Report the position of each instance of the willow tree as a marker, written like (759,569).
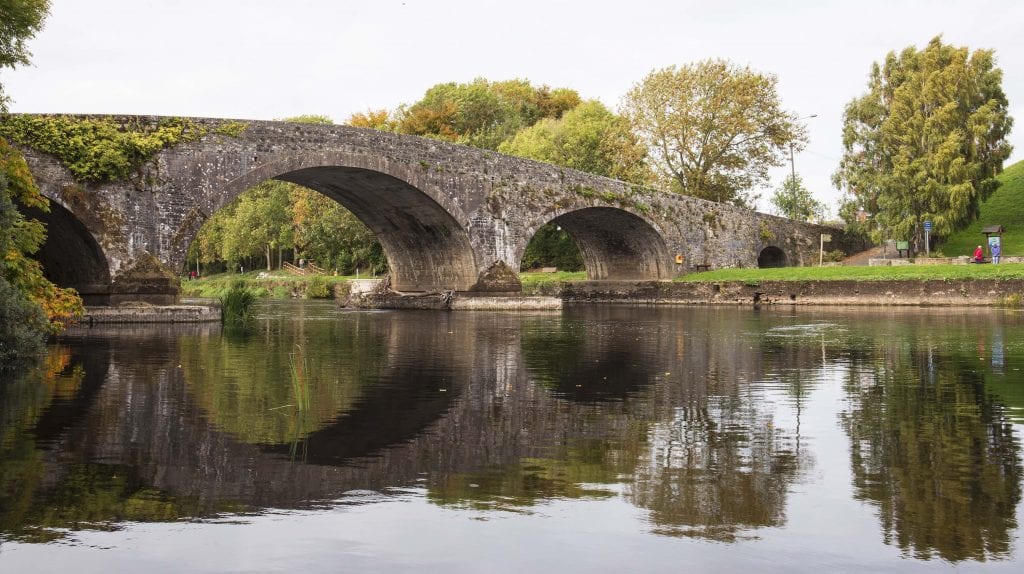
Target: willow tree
(714,129)
(926,141)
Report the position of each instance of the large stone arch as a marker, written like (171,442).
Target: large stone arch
(615,244)
(71,256)
(422,231)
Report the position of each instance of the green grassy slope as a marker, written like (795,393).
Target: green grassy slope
(1006,208)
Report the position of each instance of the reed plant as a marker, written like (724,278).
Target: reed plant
(237,305)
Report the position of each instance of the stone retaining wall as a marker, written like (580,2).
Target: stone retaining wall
(988,292)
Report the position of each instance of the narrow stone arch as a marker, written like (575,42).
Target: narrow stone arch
(615,244)
(427,248)
(71,256)
(772,256)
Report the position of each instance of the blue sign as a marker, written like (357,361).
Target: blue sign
(927,225)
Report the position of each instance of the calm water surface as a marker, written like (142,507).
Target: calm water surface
(598,439)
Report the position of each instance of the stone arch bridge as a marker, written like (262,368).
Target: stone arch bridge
(450,217)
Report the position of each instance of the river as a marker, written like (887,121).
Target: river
(595,439)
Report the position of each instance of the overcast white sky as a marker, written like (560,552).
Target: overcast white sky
(268,59)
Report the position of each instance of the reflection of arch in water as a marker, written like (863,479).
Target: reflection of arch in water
(405,397)
(771,257)
(597,355)
(71,257)
(614,243)
(385,391)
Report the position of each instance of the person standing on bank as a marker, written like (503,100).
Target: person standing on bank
(996,252)
(979,255)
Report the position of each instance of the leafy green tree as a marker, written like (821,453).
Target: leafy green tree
(589,138)
(331,235)
(713,128)
(926,141)
(20,20)
(482,113)
(261,223)
(795,201)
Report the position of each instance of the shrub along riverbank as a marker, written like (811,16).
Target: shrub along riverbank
(263,284)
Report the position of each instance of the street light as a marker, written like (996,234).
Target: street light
(792,164)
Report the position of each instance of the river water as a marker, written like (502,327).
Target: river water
(596,439)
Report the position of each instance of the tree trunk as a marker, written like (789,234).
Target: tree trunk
(270,265)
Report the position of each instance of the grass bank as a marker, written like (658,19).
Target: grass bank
(263,284)
(1005,207)
(530,279)
(898,273)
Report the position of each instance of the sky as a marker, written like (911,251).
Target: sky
(263,59)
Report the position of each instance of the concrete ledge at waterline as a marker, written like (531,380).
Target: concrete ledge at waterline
(151,314)
(480,303)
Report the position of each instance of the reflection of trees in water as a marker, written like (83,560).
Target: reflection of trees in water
(36,503)
(717,468)
(253,394)
(934,454)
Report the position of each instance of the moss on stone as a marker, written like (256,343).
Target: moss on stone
(98,150)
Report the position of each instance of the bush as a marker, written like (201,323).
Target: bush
(236,304)
(281,292)
(23,325)
(317,288)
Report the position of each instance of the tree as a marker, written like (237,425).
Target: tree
(331,235)
(261,223)
(589,138)
(20,238)
(380,119)
(926,141)
(482,113)
(20,20)
(713,128)
(795,201)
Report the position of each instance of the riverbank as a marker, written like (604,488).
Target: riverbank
(955,292)
(917,285)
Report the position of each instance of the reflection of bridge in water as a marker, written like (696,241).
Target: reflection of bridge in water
(529,407)
(468,394)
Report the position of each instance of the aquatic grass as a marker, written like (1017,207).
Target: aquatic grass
(1011,301)
(301,394)
(300,384)
(236,305)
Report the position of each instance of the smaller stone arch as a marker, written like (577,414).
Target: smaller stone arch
(615,244)
(772,256)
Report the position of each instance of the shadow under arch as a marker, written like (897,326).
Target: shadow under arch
(771,257)
(615,244)
(426,246)
(71,257)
